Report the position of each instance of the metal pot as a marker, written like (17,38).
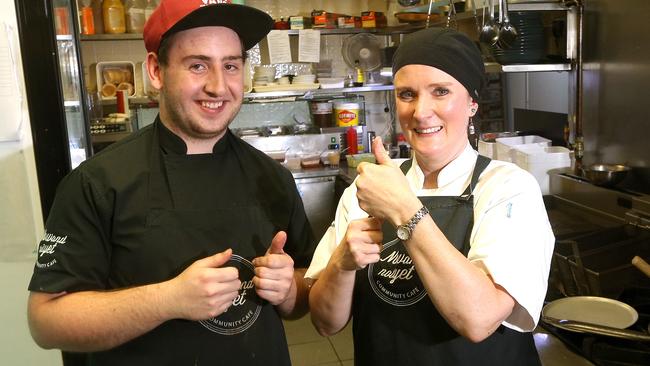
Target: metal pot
(605,174)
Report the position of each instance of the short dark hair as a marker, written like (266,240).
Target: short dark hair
(165,44)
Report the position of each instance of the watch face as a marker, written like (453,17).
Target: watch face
(403,233)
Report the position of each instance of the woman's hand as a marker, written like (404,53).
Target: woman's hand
(382,188)
(360,246)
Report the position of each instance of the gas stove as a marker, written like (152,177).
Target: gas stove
(598,230)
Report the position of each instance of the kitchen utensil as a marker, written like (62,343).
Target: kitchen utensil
(642,265)
(583,327)
(408,2)
(429,13)
(451,15)
(606,174)
(490,30)
(593,310)
(507,33)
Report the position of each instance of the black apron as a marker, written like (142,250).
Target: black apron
(395,322)
(183,208)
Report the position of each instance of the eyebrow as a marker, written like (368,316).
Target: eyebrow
(208,58)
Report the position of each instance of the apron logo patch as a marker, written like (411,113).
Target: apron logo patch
(246,307)
(394,279)
(47,247)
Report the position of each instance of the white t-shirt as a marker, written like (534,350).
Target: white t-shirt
(511,239)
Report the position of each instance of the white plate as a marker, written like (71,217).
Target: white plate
(594,310)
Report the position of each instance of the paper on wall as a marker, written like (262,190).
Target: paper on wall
(308,45)
(279,47)
(11,101)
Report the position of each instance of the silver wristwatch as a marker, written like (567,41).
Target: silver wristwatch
(404,231)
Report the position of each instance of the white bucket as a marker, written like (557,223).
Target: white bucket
(504,145)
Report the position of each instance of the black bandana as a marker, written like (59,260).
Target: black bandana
(446,50)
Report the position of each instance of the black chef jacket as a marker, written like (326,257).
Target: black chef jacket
(142,210)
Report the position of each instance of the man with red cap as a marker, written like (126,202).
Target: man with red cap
(177,245)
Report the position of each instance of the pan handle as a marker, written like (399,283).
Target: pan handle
(578,326)
(642,265)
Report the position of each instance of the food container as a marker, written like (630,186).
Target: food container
(331,83)
(113,76)
(356,159)
(310,161)
(539,160)
(504,145)
(346,113)
(321,112)
(606,174)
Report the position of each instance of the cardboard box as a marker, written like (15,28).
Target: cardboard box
(323,19)
(373,19)
(349,22)
(299,22)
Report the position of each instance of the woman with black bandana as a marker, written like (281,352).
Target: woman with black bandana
(441,259)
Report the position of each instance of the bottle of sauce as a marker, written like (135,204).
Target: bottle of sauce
(87,19)
(98,16)
(359,77)
(114,20)
(351,140)
(134,16)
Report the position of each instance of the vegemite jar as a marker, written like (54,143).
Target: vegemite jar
(346,113)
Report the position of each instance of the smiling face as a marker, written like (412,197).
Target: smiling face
(201,85)
(433,110)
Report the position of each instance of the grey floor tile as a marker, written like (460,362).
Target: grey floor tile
(342,343)
(313,353)
(301,331)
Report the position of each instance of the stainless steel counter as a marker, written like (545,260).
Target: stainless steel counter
(553,352)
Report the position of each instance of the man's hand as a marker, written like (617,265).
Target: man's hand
(274,272)
(382,188)
(360,246)
(205,289)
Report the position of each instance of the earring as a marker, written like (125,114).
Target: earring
(470,128)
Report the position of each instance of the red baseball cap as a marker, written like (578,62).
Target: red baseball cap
(173,16)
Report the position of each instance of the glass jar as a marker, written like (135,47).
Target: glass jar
(114,20)
(134,15)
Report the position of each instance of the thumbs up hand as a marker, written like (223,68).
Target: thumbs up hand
(382,188)
(203,290)
(274,272)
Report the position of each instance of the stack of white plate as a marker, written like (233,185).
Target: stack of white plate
(304,79)
(264,74)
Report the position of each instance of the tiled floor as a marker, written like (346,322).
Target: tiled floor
(308,348)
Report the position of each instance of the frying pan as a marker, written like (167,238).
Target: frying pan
(605,174)
(595,315)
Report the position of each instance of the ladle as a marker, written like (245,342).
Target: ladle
(490,30)
(507,33)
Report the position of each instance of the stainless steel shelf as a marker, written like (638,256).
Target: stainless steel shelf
(111,37)
(132,101)
(535,67)
(317,92)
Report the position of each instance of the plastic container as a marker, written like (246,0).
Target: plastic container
(321,112)
(134,15)
(351,139)
(119,74)
(346,113)
(114,17)
(504,145)
(539,160)
(356,159)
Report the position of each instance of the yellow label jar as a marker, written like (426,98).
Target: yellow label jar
(346,114)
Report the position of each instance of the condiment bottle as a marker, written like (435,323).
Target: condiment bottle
(351,140)
(134,14)
(359,78)
(87,19)
(114,21)
(98,16)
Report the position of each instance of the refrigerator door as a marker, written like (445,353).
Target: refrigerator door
(71,80)
(54,84)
